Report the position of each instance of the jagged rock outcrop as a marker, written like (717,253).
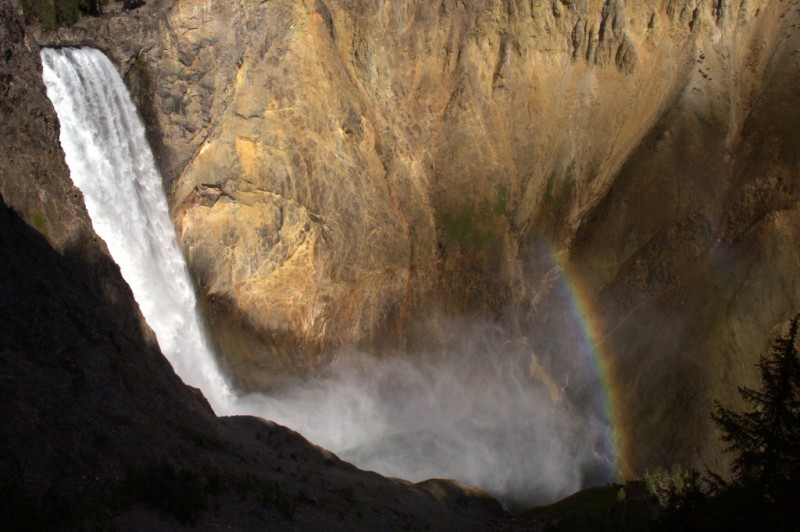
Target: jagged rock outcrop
(348,172)
(98,431)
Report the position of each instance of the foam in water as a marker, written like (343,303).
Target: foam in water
(475,414)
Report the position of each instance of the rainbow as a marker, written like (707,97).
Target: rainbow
(583,310)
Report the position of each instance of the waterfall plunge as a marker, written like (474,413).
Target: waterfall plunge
(111,162)
(472,415)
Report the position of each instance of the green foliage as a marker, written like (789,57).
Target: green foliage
(559,193)
(43,11)
(476,227)
(666,485)
(53,14)
(140,67)
(766,439)
(39,222)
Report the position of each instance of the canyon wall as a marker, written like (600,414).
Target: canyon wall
(98,432)
(353,173)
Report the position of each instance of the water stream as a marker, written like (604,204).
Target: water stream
(111,162)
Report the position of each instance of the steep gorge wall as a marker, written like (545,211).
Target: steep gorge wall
(353,172)
(98,432)
(698,285)
(387,160)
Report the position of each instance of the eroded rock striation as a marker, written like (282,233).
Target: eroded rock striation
(347,173)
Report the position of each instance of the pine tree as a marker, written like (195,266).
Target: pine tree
(766,438)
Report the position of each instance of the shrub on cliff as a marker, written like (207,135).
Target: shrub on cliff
(668,486)
(52,14)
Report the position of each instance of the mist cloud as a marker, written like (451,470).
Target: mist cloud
(484,412)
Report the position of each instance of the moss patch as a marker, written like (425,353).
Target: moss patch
(39,222)
(141,70)
(476,226)
(560,192)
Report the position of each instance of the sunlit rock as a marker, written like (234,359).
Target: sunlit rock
(350,174)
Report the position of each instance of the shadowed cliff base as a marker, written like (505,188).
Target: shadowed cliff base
(99,431)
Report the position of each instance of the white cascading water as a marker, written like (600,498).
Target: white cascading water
(111,162)
(475,414)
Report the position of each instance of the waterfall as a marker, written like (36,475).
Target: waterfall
(474,414)
(110,161)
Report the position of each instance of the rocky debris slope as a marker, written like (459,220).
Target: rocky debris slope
(349,172)
(97,429)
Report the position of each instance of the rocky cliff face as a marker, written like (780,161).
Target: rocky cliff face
(692,250)
(98,431)
(350,172)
